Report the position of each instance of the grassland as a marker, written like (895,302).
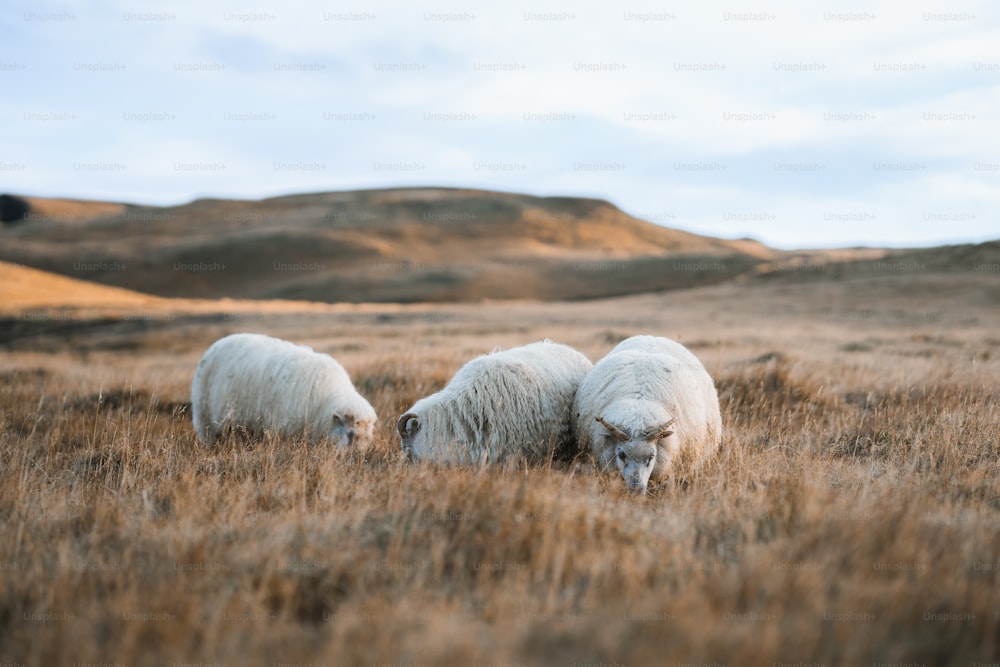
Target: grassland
(853,517)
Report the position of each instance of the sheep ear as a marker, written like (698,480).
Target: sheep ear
(408,425)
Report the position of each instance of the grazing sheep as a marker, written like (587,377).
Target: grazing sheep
(267,385)
(650,408)
(507,406)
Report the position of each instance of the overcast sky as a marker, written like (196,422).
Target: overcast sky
(800,124)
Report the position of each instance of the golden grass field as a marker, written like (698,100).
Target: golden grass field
(852,518)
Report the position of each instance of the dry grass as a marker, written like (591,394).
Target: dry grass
(853,517)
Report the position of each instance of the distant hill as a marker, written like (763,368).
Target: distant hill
(23,288)
(866,263)
(15,210)
(414,244)
(405,245)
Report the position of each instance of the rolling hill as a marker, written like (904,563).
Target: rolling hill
(23,288)
(403,245)
(415,245)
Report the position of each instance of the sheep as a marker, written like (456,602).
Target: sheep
(505,407)
(262,384)
(650,408)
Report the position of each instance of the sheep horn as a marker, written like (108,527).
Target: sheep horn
(660,431)
(402,426)
(614,430)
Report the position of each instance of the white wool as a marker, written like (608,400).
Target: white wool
(505,406)
(659,345)
(641,384)
(267,385)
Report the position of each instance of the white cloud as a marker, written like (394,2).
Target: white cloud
(642,88)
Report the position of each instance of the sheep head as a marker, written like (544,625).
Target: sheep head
(636,456)
(349,431)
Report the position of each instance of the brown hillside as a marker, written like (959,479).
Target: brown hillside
(23,288)
(412,244)
(18,210)
(908,265)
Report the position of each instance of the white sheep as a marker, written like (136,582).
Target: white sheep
(266,385)
(508,406)
(650,408)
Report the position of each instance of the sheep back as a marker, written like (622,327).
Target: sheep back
(506,406)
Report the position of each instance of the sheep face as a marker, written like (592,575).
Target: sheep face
(348,431)
(637,456)
(635,461)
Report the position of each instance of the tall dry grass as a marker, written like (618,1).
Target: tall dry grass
(850,519)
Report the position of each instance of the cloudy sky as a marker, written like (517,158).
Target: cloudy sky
(800,124)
